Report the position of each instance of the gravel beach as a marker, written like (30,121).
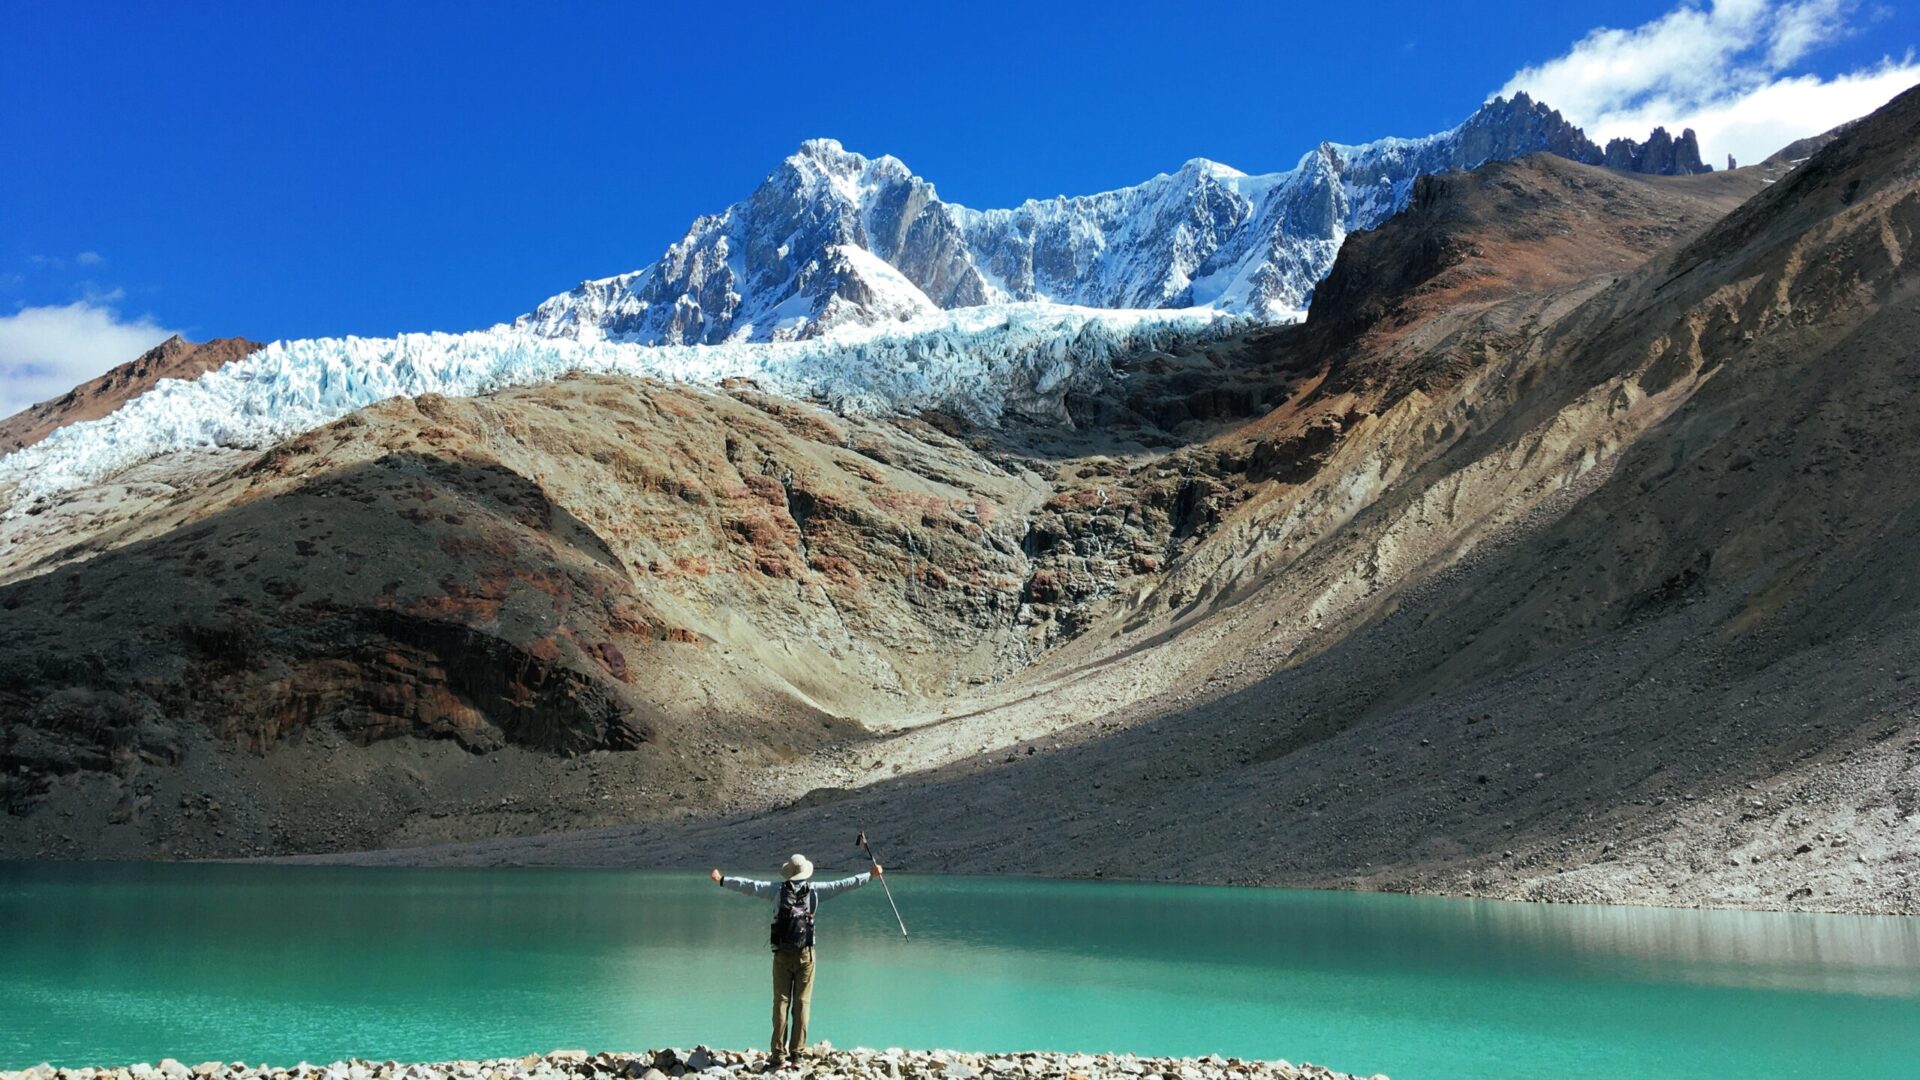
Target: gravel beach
(823,1062)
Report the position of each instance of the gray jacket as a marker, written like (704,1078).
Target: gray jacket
(821,889)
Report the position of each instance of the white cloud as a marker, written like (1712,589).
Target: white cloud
(88,258)
(46,351)
(1726,70)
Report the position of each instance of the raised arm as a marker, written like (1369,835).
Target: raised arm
(746,886)
(824,889)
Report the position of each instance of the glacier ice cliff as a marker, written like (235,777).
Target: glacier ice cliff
(982,363)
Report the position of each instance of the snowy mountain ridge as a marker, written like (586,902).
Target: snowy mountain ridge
(832,239)
(846,279)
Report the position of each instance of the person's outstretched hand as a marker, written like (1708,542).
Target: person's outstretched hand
(715,875)
(877,871)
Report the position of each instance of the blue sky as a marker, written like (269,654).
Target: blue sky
(371,169)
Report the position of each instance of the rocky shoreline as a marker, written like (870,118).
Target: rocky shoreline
(823,1062)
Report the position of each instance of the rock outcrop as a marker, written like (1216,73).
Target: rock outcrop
(1515,127)
(1660,155)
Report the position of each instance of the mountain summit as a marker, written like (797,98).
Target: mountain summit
(834,239)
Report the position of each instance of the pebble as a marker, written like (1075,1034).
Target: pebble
(822,1063)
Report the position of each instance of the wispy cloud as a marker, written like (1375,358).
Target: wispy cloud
(62,262)
(1729,70)
(46,351)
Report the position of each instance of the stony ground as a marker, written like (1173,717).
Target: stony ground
(825,1062)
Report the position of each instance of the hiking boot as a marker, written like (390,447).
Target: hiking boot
(775,1063)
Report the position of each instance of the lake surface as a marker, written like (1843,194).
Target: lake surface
(113,963)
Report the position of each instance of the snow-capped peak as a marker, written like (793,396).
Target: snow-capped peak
(1204,235)
(1207,167)
(847,278)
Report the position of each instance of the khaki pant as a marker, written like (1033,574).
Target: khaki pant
(792,992)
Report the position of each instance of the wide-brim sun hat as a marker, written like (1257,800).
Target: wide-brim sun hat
(797,869)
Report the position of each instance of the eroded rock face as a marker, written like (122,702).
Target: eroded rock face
(308,606)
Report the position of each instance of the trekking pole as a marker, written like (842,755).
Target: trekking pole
(862,841)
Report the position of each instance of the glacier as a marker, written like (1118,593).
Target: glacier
(982,363)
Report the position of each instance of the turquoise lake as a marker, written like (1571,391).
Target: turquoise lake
(114,963)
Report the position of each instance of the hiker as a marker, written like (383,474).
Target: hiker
(796,896)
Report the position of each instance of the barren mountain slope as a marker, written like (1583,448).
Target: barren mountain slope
(174,358)
(644,574)
(1174,642)
(1528,225)
(1622,608)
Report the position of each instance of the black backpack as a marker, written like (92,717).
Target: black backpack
(793,917)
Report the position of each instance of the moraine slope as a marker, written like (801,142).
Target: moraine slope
(1598,592)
